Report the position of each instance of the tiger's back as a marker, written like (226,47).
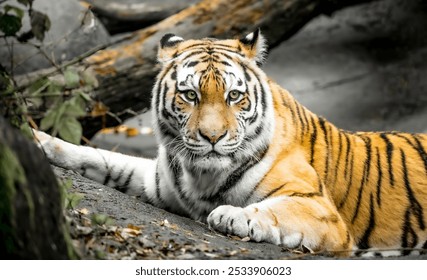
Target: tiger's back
(377,180)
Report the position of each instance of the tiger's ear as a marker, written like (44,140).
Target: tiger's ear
(254,46)
(167,47)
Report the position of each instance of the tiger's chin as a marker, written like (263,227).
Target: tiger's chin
(212,162)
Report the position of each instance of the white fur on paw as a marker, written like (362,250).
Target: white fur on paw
(41,138)
(229,220)
(52,147)
(243,222)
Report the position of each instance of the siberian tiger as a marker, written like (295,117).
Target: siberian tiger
(239,152)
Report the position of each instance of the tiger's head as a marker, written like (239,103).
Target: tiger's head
(212,106)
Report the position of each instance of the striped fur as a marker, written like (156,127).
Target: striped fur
(240,153)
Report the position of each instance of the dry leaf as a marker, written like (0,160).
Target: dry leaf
(132,132)
(99,109)
(83,211)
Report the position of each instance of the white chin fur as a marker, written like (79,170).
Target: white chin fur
(212,163)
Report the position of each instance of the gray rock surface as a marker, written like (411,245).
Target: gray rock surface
(363,68)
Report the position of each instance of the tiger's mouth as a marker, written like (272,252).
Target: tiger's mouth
(211,161)
(213,155)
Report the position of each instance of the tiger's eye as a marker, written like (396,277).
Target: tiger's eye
(234,95)
(190,95)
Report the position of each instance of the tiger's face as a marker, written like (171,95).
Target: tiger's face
(209,99)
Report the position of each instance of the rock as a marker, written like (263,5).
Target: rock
(32,224)
(66,39)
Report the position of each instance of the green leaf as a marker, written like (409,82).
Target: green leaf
(53,117)
(73,199)
(48,121)
(10,24)
(70,130)
(101,219)
(86,97)
(25,2)
(6,84)
(26,130)
(72,79)
(75,107)
(89,78)
(18,12)
(39,86)
(40,24)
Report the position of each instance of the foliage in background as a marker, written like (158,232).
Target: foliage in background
(63,100)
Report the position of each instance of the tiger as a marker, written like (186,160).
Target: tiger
(238,152)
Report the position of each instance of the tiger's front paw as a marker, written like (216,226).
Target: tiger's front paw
(57,151)
(243,222)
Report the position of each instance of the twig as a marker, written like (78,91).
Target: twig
(75,60)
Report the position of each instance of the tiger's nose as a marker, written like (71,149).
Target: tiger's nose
(212,137)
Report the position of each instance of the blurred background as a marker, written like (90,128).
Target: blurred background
(362,67)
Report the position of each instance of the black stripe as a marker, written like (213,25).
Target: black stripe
(193,53)
(325,133)
(418,147)
(158,94)
(144,196)
(421,151)
(245,71)
(313,140)
(337,165)
(347,171)
(364,241)
(415,206)
(158,194)
(119,176)
(347,156)
(192,63)
(123,188)
(389,150)
(166,131)
(380,176)
(365,177)
(107,177)
(234,178)
(177,172)
(263,91)
(301,121)
(273,191)
(409,237)
(253,118)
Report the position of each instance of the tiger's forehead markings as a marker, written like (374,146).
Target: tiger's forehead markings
(208,66)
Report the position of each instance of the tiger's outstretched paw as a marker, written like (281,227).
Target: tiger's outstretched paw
(244,222)
(57,151)
(41,137)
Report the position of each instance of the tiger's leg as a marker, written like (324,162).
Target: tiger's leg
(131,175)
(297,213)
